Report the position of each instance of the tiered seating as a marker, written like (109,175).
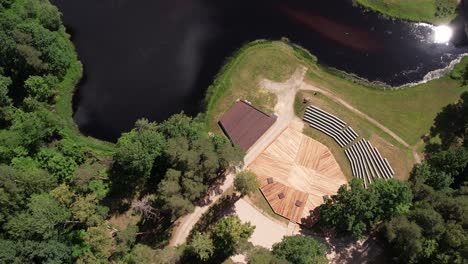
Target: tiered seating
(330,125)
(367,163)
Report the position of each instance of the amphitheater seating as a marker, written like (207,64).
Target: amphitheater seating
(330,125)
(367,163)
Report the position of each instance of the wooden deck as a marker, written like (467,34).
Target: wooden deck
(285,206)
(302,169)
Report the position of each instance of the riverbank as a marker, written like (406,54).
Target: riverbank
(408,112)
(64,109)
(430,11)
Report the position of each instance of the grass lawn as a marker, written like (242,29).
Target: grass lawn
(408,112)
(239,78)
(414,10)
(400,157)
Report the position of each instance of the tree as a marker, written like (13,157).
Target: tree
(228,233)
(392,198)
(11,192)
(72,150)
(33,179)
(177,206)
(126,239)
(40,220)
(41,88)
(57,164)
(28,130)
(201,246)
(84,209)
(98,242)
(451,123)
(48,251)
(350,211)
(453,164)
(405,238)
(431,222)
(5,83)
(246,183)
(138,149)
(356,210)
(99,188)
(63,194)
(300,249)
(8,251)
(180,125)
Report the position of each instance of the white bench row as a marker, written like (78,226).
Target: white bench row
(328,132)
(311,107)
(330,125)
(367,163)
(332,120)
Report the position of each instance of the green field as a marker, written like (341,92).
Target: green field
(239,78)
(432,11)
(409,112)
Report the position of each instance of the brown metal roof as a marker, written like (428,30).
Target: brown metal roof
(244,124)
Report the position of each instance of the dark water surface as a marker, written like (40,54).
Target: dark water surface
(154,58)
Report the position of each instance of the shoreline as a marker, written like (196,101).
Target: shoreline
(393,13)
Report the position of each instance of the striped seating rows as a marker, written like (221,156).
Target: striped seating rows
(367,163)
(330,125)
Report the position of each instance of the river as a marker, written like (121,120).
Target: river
(152,58)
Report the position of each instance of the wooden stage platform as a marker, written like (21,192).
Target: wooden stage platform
(302,171)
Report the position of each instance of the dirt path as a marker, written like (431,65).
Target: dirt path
(309,87)
(286,93)
(268,232)
(184,225)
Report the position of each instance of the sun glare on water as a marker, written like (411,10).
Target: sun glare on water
(442,34)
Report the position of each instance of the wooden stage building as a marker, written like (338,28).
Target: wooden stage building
(295,172)
(244,124)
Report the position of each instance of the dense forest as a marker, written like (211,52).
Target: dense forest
(56,194)
(61,200)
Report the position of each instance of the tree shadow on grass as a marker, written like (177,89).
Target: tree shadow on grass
(449,125)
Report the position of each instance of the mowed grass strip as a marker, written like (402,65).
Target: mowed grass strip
(409,112)
(240,77)
(399,156)
(414,10)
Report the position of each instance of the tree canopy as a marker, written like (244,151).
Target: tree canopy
(356,210)
(301,250)
(246,182)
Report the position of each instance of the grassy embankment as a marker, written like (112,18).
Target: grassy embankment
(432,11)
(239,78)
(63,108)
(408,112)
